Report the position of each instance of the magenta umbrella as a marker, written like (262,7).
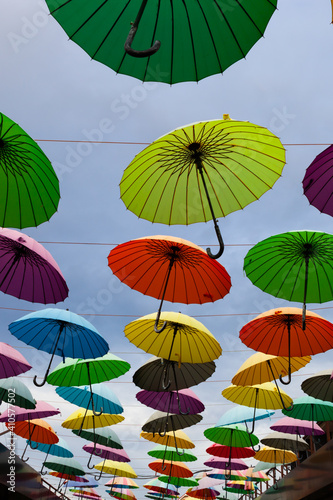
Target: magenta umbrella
(183,402)
(42,410)
(12,362)
(233,464)
(106,453)
(295,426)
(318,182)
(28,271)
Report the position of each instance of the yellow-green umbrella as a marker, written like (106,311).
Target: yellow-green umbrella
(116,468)
(183,339)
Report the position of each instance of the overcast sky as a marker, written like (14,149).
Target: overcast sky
(55,92)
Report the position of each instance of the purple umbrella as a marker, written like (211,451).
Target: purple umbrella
(225,463)
(28,271)
(318,182)
(183,401)
(12,362)
(295,426)
(106,453)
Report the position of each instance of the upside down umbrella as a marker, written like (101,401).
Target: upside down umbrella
(28,270)
(201,172)
(12,362)
(169,268)
(319,385)
(60,332)
(280,332)
(158,374)
(184,339)
(296,266)
(174,41)
(29,185)
(15,392)
(317,181)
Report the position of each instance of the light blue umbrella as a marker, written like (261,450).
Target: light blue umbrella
(77,484)
(100,397)
(61,332)
(242,414)
(59,449)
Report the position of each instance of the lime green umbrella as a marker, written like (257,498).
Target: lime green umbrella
(29,187)
(170,453)
(186,40)
(296,266)
(231,435)
(202,171)
(312,409)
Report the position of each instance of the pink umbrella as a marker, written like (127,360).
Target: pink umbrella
(183,401)
(28,271)
(42,410)
(12,362)
(295,426)
(105,452)
(220,463)
(221,450)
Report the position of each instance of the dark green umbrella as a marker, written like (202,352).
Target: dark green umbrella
(175,41)
(29,187)
(65,466)
(170,453)
(296,266)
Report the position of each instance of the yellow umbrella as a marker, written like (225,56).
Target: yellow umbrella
(85,419)
(116,468)
(177,439)
(260,368)
(266,396)
(184,339)
(275,456)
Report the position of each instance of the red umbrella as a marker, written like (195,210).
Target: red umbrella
(34,430)
(222,451)
(168,468)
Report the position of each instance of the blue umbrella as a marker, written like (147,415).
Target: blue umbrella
(59,449)
(61,332)
(77,484)
(242,414)
(100,396)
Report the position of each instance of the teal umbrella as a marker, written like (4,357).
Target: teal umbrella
(59,449)
(309,408)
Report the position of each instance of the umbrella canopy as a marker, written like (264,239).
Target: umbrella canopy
(242,414)
(125,494)
(176,438)
(317,181)
(60,332)
(275,456)
(281,332)
(158,374)
(116,468)
(185,42)
(184,339)
(201,172)
(170,453)
(68,477)
(81,485)
(86,495)
(29,185)
(226,474)
(284,441)
(100,396)
(86,419)
(156,486)
(204,493)
(169,268)
(106,452)
(104,436)
(183,401)
(59,449)
(260,368)
(296,266)
(319,385)
(28,270)
(34,430)
(11,361)
(122,483)
(68,466)
(179,481)
(308,408)
(227,463)
(15,392)
(220,450)
(256,476)
(292,425)
(41,410)
(231,435)
(161,422)
(174,469)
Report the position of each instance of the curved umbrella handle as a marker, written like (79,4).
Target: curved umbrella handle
(88,464)
(132,33)
(97,478)
(179,407)
(53,353)
(164,383)
(220,240)
(159,330)
(22,457)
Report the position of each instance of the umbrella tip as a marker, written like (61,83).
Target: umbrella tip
(226,116)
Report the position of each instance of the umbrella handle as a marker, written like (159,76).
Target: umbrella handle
(159,330)
(88,464)
(49,367)
(220,240)
(164,383)
(97,478)
(179,407)
(132,33)
(22,457)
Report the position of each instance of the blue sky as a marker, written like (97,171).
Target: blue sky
(55,92)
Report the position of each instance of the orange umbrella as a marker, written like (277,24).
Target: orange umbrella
(33,430)
(280,332)
(169,268)
(169,468)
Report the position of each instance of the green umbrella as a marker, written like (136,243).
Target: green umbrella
(16,393)
(202,171)
(296,266)
(231,435)
(170,453)
(65,466)
(309,408)
(103,435)
(186,40)
(29,186)
(179,481)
